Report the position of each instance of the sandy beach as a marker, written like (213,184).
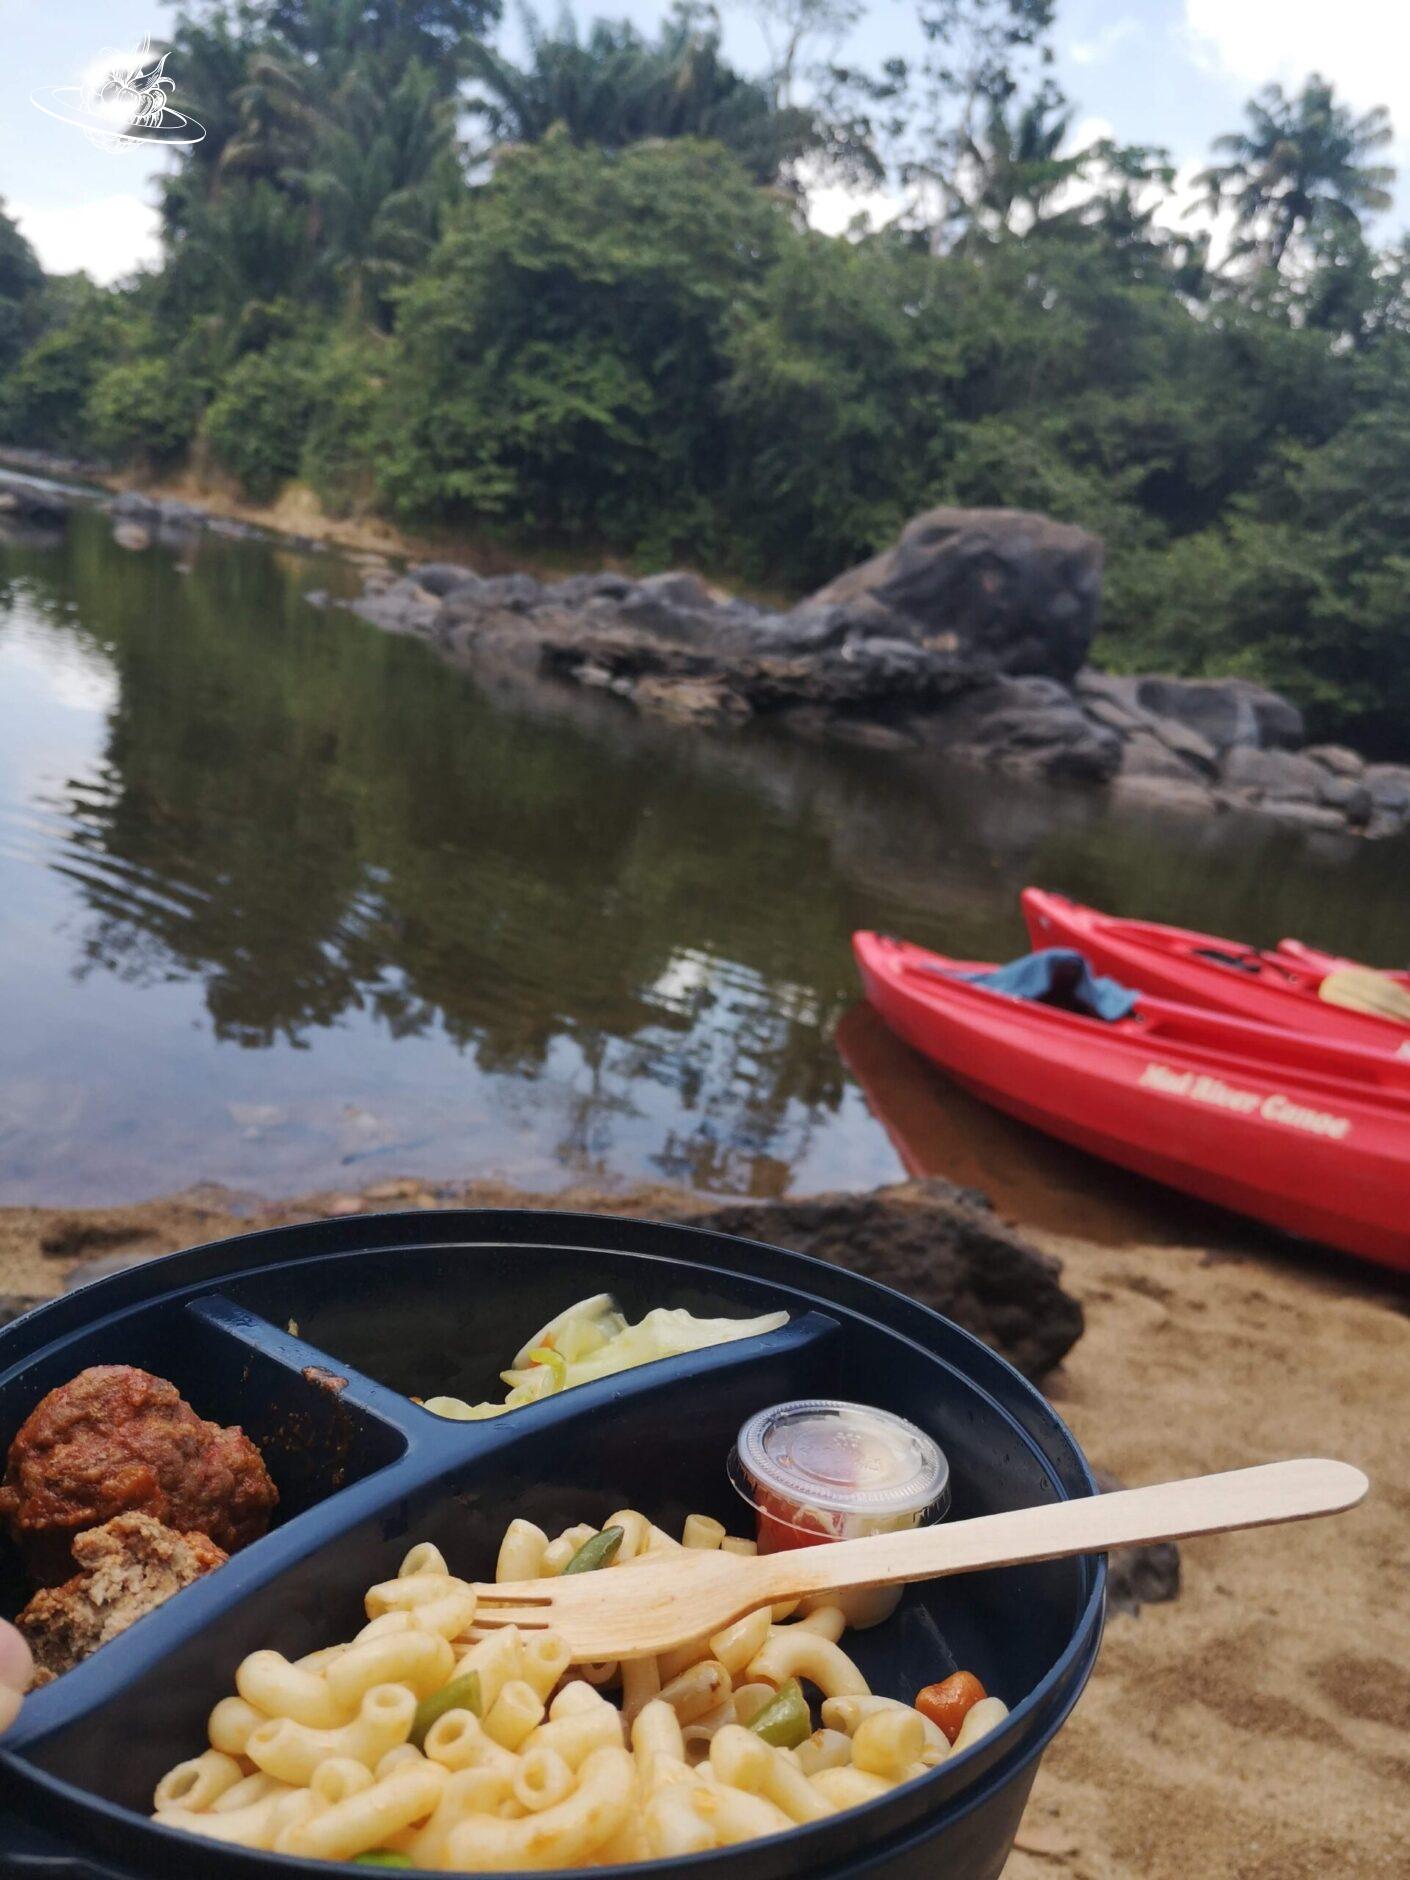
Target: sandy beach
(1257,1726)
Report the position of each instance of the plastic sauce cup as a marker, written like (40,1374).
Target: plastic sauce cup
(822,1470)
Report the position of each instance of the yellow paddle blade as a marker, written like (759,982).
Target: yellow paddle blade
(1361,989)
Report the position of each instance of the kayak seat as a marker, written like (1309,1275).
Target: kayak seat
(1061,977)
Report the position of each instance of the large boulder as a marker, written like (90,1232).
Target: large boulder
(1031,726)
(1000,587)
(938,1243)
(1225,712)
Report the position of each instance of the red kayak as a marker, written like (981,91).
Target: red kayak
(1315,960)
(1277,988)
(1305,1134)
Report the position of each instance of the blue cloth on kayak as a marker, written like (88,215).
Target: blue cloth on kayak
(1059,976)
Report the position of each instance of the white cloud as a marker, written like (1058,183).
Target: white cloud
(833,209)
(1362,46)
(109,236)
(1099,48)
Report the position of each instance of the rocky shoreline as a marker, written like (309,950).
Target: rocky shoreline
(969,637)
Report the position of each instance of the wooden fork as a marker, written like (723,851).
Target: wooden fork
(663,1599)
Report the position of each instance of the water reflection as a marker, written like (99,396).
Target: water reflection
(284,901)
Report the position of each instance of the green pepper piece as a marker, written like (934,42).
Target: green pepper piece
(382,1860)
(556,1362)
(459,1694)
(785,1721)
(600,1551)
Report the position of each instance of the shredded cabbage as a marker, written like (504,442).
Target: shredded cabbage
(593,1339)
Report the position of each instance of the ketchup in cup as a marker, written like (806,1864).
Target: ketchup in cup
(821,1470)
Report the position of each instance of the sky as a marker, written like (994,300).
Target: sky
(1169,72)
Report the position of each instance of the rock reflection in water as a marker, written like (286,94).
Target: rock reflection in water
(284,901)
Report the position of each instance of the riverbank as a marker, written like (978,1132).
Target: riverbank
(970,637)
(1255,1726)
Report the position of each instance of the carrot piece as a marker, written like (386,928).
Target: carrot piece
(947,1703)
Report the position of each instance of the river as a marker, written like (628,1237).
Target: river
(286,902)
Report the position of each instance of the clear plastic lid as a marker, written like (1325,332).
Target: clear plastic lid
(843,1458)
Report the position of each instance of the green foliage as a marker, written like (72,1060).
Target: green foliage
(1300,166)
(1304,584)
(605,322)
(44,399)
(612,87)
(346,407)
(840,401)
(21,285)
(559,361)
(257,421)
(139,409)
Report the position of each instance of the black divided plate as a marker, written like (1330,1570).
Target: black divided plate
(395,1305)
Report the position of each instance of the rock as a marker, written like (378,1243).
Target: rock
(1139,1576)
(1306,815)
(133,506)
(1145,755)
(870,735)
(937,1243)
(1107,711)
(401,607)
(34,504)
(1280,774)
(180,519)
(1389,785)
(691,701)
(579,589)
(518,593)
(1185,742)
(1336,758)
(1003,586)
(1350,796)
(1168,792)
(72,1234)
(15,1305)
(1031,725)
(1226,712)
(898,663)
(1118,687)
(442,577)
(677,607)
(811,628)
(678,588)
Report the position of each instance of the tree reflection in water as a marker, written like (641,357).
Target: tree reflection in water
(334,834)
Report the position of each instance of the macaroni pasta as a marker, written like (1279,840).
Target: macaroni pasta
(466,1756)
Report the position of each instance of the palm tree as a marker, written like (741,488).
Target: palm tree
(1300,165)
(1016,163)
(613,87)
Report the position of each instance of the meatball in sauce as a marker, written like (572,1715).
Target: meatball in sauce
(116,1440)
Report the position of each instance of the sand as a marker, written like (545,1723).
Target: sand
(1259,1726)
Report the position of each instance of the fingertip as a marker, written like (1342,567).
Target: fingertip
(16,1663)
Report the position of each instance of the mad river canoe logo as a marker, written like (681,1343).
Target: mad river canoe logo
(122,102)
(1274,1108)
